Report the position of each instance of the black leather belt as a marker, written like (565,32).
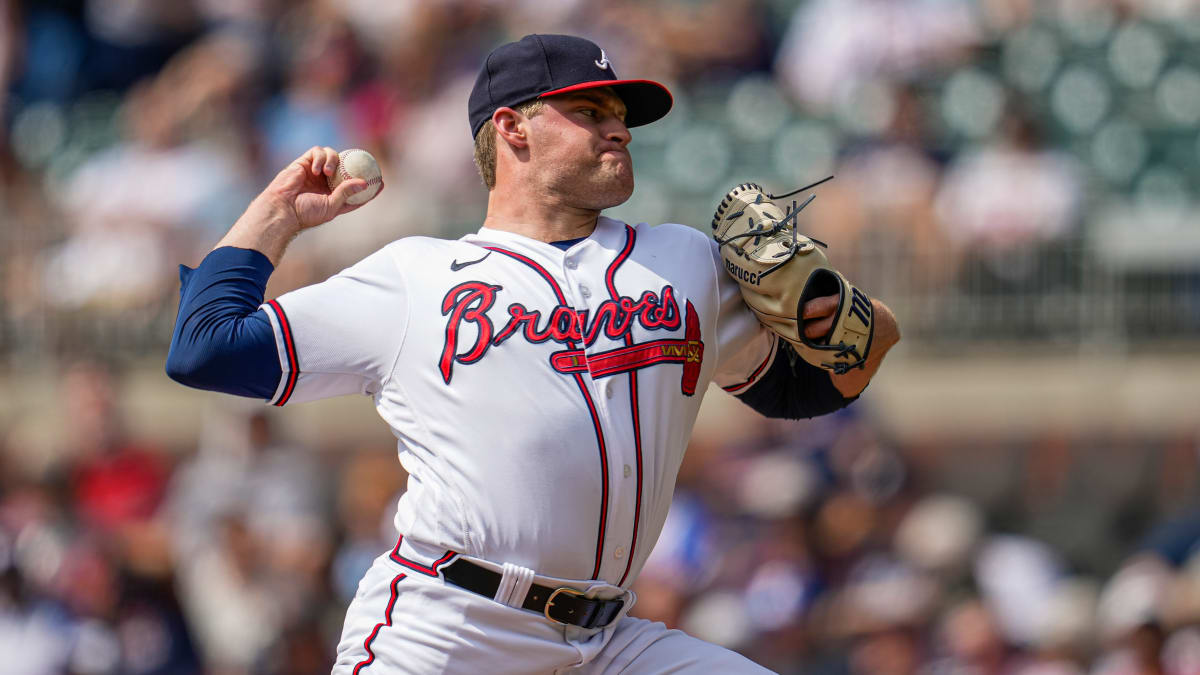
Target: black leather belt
(564,605)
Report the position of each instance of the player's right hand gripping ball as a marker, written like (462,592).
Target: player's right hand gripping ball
(780,270)
(356,163)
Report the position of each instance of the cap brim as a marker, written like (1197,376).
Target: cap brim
(645,100)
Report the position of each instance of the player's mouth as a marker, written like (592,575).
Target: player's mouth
(622,154)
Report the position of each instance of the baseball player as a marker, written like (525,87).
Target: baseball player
(541,375)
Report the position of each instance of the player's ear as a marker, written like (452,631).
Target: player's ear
(510,127)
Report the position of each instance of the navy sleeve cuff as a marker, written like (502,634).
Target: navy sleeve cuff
(249,264)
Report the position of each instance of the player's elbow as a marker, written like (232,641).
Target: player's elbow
(195,364)
(237,359)
(887,327)
(185,368)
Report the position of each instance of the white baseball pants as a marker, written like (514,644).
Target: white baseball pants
(406,621)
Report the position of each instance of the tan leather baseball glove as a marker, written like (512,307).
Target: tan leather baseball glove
(779,270)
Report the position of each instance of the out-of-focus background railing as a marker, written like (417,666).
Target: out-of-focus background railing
(1018,180)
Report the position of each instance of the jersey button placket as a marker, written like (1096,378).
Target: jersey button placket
(620,471)
(583,293)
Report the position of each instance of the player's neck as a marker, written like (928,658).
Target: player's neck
(537,219)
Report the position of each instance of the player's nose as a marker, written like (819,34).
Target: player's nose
(617,132)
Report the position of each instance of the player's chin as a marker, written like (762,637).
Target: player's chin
(614,192)
(621,176)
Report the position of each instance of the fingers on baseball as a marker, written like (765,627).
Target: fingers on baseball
(330,161)
(314,160)
(343,191)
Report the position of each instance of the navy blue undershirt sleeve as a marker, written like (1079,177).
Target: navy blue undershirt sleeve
(222,340)
(793,389)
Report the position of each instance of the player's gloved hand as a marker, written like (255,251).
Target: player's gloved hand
(301,191)
(789,284)
(818,315)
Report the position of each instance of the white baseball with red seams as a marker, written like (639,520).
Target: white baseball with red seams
(356,163)
(542,400)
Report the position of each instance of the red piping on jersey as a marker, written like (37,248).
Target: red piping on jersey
(734,388)
(387,621)
(290,348)
(609,281)
(587,397)
(431,570)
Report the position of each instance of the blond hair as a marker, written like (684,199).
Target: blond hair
(485,142)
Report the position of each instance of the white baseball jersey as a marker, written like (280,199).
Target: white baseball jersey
(542,398)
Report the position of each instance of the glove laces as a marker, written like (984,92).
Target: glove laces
(769,227)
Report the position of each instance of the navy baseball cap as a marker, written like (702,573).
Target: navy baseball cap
(537,66)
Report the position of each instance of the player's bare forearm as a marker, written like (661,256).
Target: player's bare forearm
(296,199)
(887,334)
(265,227)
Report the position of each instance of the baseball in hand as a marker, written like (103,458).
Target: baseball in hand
(355,163)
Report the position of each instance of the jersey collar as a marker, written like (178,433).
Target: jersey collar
(608,234)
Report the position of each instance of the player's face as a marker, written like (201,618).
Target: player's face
(579,143)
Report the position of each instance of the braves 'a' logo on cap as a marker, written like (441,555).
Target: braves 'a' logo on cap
(602,64)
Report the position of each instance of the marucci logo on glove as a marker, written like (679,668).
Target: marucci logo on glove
(860,306)
(740,274)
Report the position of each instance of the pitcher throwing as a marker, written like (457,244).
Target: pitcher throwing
(542,376)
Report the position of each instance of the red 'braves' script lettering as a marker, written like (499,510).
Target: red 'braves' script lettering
(469,302)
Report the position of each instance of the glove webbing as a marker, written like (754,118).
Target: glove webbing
(790,215)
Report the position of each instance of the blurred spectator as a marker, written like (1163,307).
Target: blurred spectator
(88,585)
(321,56)
(276,483)
(262,500)
(834,46)
(1005,202)
(689,40)
(117,483)
(229,598)
(169,176)
(969,641)
(880,210)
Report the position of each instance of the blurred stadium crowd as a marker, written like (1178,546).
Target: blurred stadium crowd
(813,547)
(1027,169)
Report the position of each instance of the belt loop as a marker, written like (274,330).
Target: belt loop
(514,585)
